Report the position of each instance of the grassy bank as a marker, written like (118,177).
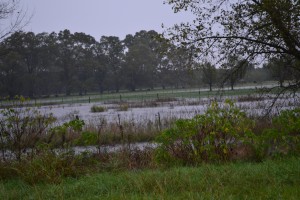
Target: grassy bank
(271,179)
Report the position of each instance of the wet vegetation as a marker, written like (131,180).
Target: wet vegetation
(231,150)
(35,150)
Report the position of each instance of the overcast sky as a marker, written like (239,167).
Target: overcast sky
(101,17)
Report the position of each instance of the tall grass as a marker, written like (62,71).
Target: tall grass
(272,179)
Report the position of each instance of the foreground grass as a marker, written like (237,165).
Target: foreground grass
(272,179)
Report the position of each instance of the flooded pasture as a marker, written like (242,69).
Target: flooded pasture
(181,108)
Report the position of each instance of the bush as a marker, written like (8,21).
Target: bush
(95,108)
(52,167)
(216,135)
(71,127)
(87,138)
(284,136)
(123,107)
(22,127)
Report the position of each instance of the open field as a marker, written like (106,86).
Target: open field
(272,179)
(146,95)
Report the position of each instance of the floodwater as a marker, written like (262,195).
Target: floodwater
(187,108)
(182,108)
(114,148)
(112,114)
(77,150)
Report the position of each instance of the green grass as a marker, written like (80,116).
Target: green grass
(272,179)
(156,94)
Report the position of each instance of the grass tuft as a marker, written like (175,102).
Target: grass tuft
(96,108)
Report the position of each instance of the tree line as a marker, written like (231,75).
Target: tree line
(43,64)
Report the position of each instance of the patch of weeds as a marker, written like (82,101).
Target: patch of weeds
(96,108)
(123,107)
(51,167)
(249,98)
(220,134)
(65,133)
(87,138)
(282,137)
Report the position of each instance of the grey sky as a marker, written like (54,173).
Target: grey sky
(101,17)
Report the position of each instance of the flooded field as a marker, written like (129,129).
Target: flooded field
(176,109)
(132,124)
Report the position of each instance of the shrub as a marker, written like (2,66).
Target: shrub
(96,108)
(51,167)
(214,136)
(73,126)
(123,107)
(283,137)
(87,138)
(22,127)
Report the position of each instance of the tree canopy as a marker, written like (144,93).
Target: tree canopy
(43,64)
(252,29)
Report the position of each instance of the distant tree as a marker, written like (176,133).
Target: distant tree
(29,48)
(235,69)
(48,80)
(113,50)
(181,64)
(252,29)
(209,74)
(257,75)
(164,69)
(83,50)
(280,69)
(142,59)
(11,72)
(66,60)
(100,67)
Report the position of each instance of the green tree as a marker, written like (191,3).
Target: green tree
(27,45)
(83,49)
(99,67)
(72,50)
(143,58)
(10,74)
(48,80)
(209,74)
(235,69)
(181,64)
(113,50)
(65,60)
(280,69)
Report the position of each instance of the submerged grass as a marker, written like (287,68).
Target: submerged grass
(271,179)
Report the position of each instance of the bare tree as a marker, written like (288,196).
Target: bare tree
(12,17)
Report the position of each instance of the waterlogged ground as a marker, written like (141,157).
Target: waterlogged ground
(141,113)
(112,114)
(145,112)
